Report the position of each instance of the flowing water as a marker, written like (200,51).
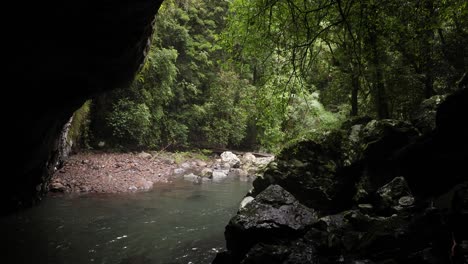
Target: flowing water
(181,222)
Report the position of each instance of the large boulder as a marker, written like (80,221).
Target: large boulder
(312,173)
(382,139)
(273,214)
(231,159)
(394,196)
(435,163)
(287,252)
(424,118)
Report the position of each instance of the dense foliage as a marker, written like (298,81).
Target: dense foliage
(260,74)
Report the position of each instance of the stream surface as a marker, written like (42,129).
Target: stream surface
(179,222)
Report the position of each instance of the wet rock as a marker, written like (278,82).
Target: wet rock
(296,252)
(237,173)
(191,177)
(206,173)
(220,174)
(274,213)
(245,201)
(57,187)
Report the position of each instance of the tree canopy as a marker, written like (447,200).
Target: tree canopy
(260,74)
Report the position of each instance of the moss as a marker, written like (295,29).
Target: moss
(79,128)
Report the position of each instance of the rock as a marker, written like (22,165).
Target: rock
(366,208)
(231,159)
(406,201)
(206,173)
(248,158)
(57,187)
(144,155)
(179,171)
(274,213)
(391,193)
(237,173)
(436,163)
(101,144)
(220,174)
(311,172)
(201,163)
(382,139)
(355,131)
(146,185)
(166,160)
(263,161)
(424,118)
(191,177)
(331,222)
(132,188)
(245,201)
(186,165)
(84,189)
(297,252)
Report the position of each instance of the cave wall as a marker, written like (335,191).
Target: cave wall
(56,56)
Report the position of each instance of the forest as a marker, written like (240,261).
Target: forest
(237,131)
(263,74)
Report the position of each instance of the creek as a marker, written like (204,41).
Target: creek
(178,222)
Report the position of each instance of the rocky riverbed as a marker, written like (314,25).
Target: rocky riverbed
(100,172)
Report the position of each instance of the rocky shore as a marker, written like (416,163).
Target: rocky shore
(110,173)
(100,172)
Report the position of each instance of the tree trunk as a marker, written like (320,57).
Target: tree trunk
(428,53)
(378,85)
(354,95)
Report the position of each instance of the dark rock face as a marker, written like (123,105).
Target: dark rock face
(424,118)
(394,196)
(273,214)
(59,55)
(436,161)
(372,185)
(315,173)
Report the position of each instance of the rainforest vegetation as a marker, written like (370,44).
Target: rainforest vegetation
(261,74)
